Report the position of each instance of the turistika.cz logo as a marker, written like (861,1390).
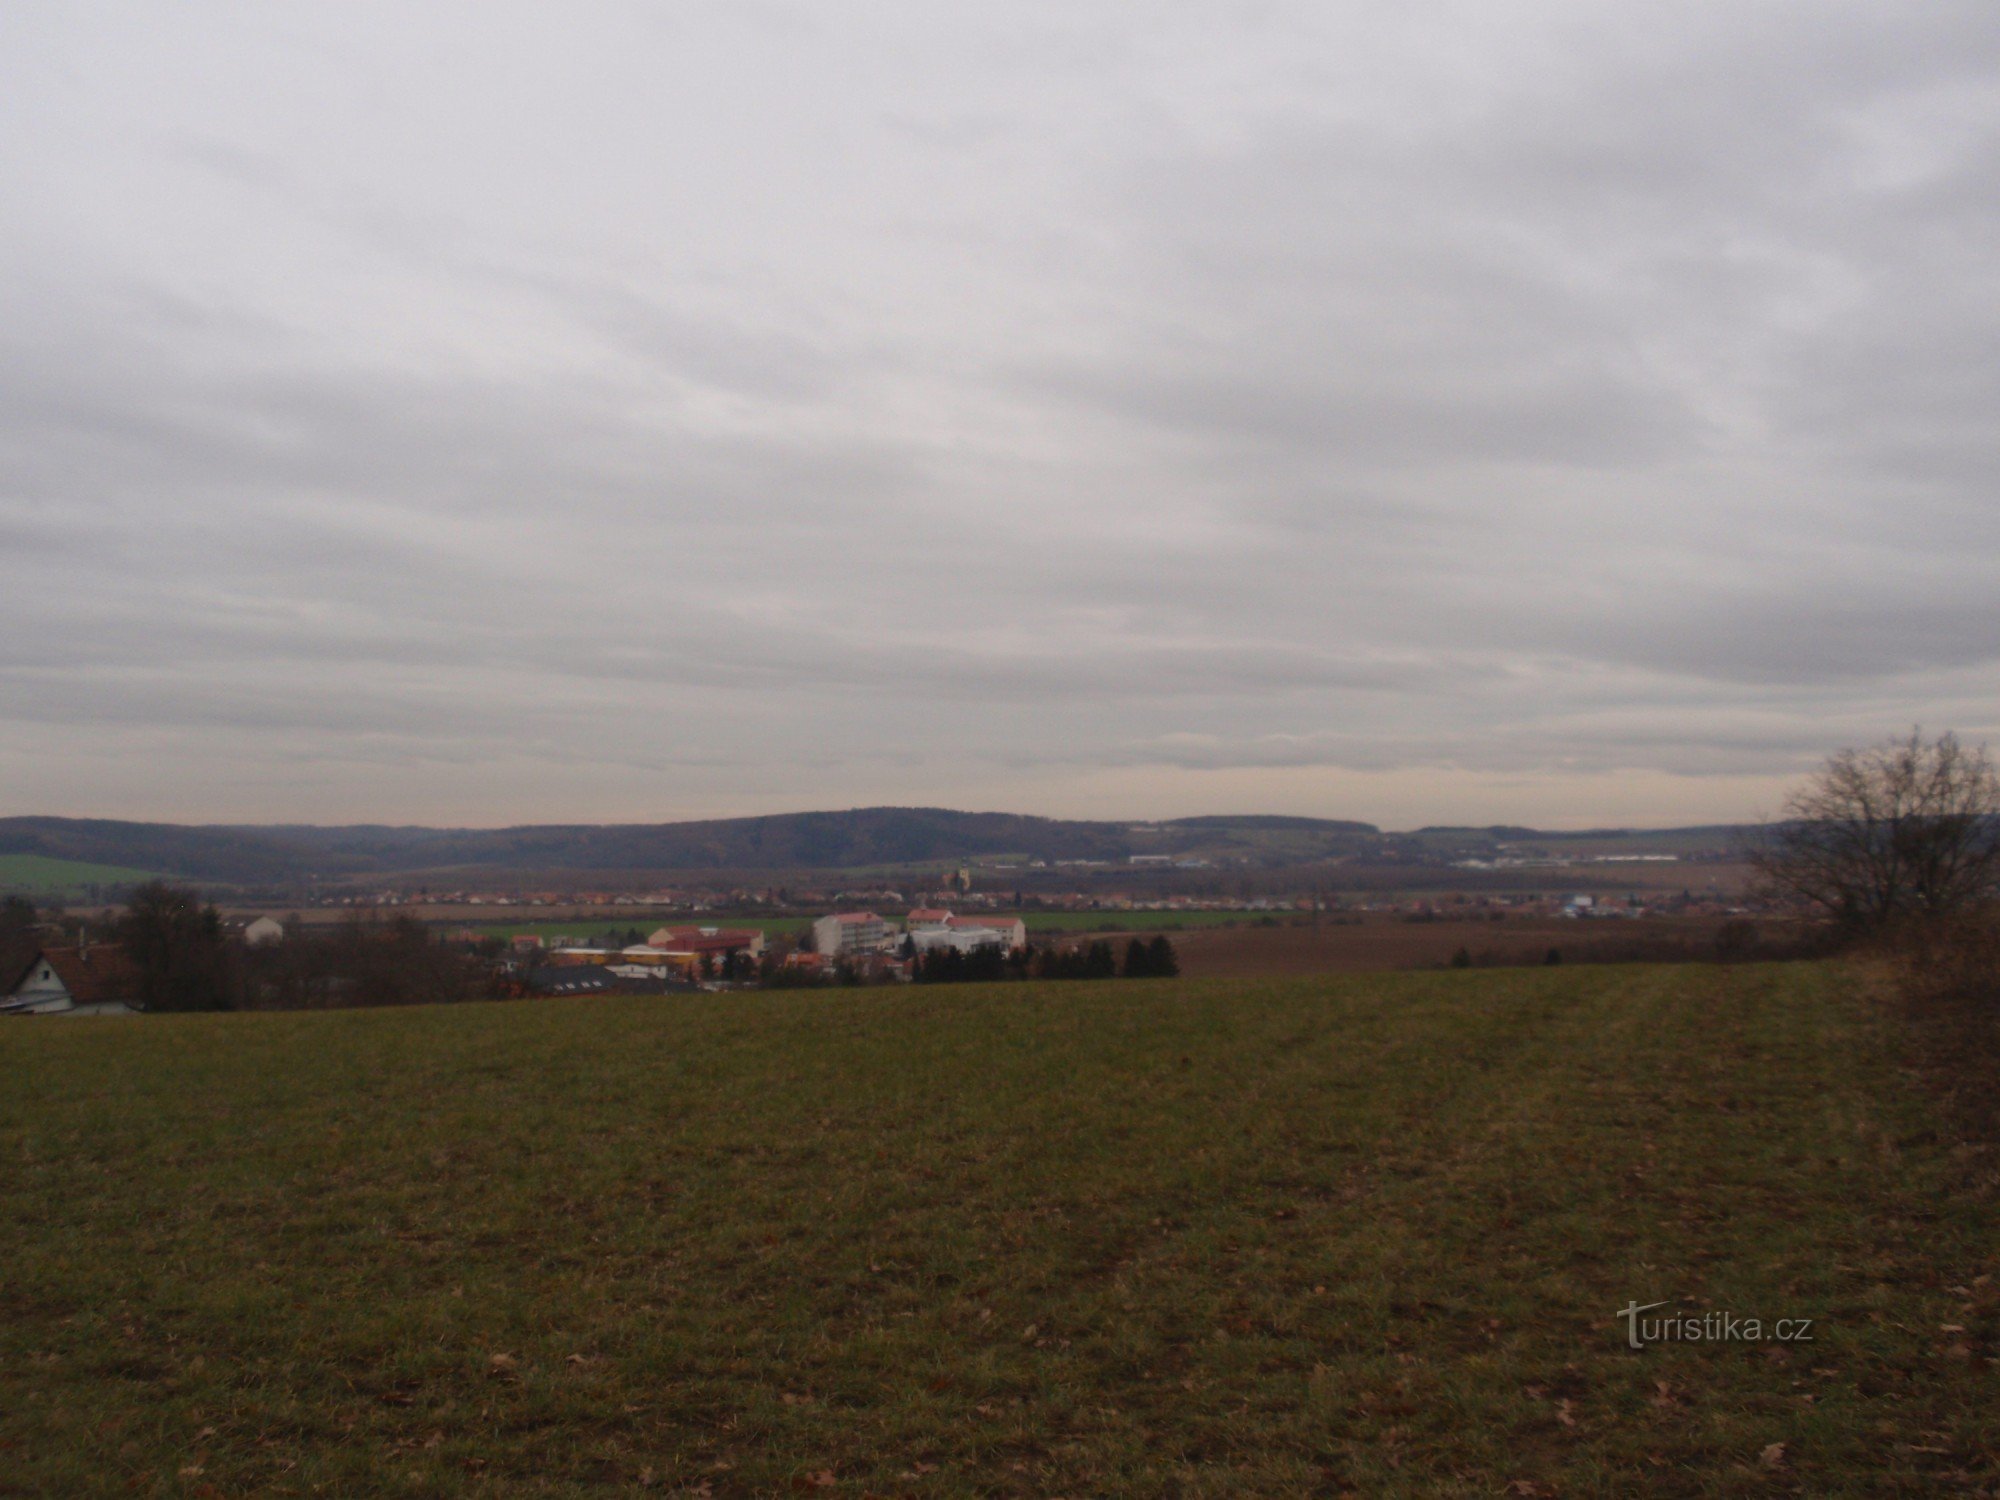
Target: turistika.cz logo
(1709,1328)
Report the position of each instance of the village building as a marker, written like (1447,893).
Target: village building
(597,979)
(931,928)
(264,930)
(849,933)
(97,979)
(569,958)
(717,943)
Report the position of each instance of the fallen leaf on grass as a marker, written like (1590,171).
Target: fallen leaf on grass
(1773,1456)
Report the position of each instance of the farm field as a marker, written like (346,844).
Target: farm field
(39,875)
(1249,951)
(1201,1238)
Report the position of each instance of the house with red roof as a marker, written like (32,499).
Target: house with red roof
(717,943)
(95,979)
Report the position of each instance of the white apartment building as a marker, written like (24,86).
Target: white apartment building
(851,932)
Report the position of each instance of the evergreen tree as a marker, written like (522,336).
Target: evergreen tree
(1100,962)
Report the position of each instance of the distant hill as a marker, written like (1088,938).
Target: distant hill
(861,838)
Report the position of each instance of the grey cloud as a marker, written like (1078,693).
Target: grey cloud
(813,403)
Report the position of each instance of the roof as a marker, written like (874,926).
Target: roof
(983,921)
(930,914)
(15,964)
(588,979)
(704,939)
(97,975)
(854,918)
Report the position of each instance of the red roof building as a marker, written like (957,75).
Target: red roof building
(97,979)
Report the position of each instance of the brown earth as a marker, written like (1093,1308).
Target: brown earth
(1243,952)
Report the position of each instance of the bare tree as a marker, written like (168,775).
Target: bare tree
(1908,828)
(183,960)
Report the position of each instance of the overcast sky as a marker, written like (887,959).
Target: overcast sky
(477,413)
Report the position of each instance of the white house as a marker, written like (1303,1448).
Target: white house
(940,929)
(964,939)
(94,980)
(264,930)
(1013,931)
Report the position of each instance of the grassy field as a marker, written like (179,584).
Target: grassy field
(581,928)
(1144,921)
(1310,1236)
(38,875)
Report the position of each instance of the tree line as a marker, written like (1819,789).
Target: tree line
(1096,960)
(185,959)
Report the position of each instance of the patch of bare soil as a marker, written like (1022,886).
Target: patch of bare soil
(1249,951)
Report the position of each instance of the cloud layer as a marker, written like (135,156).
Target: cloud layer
(1500,412)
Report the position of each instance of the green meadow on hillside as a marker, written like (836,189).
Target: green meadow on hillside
(1359,1235)
(38,875)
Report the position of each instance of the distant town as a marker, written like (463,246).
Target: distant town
(315,917)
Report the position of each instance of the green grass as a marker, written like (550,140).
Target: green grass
(1143,921)
(1140,1238)
(595,926)
(38,875)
